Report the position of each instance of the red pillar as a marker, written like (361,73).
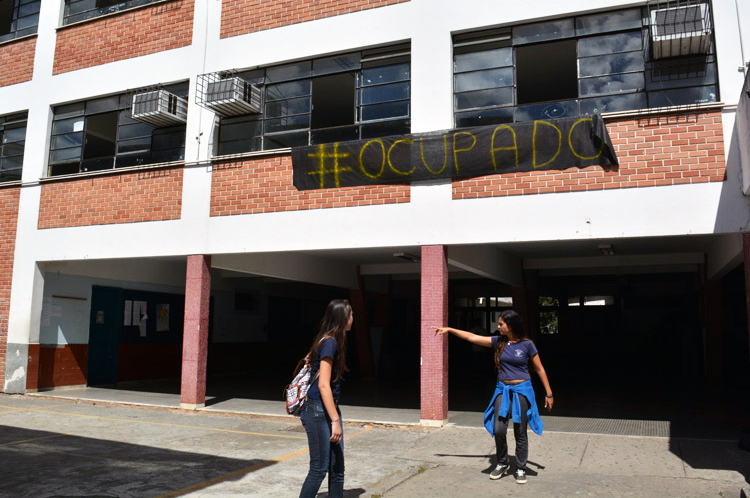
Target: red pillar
(746,249)
(434,349)
(195,333)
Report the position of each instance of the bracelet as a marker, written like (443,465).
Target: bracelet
(549,396)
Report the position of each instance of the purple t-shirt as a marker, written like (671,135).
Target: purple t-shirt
(329,348)
(514,362)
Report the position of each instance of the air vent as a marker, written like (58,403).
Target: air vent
(679,31)
(159,108)
(232,97)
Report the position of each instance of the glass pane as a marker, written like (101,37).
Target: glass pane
(608,44)
(127,160)
(103,105)
(385,93)
(683,96)
(290,72)
(288,90)
(67,126)
(136,144)
(610,64)
(12,162)
(67,140)
(385,111)
(65,155)
(239,146)
(67,111)
(134,130)
(163,139)
(63,169)
(532,33)
(285,140)
(11,149)
(681,73)
(385,128)
(480,80)
(611,21)
(340,134)
(164,155)
(14,134)
(386,74)
(616,83)
(280,108)
(484,98)
(240,130)
(339,64)
(287,123)
(484,117)
(29,9)
(549,110)
(614,103)
(498,57)
(80,6)
(98,164)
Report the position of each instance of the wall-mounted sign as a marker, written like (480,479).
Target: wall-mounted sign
(461,153)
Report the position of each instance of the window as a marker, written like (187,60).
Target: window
(569,67)
(548,315)
(18,18)
(101,134)
(346,97)
(12,138)
(80,10)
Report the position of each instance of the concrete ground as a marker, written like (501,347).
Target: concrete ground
(52,446)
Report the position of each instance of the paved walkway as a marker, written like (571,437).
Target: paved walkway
(50,446)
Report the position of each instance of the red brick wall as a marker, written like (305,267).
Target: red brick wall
(434,349)
(8,220)
(265,186)
(239,17)
(117,198)
(17,61)
(62,365)
(666,149)
(133,33)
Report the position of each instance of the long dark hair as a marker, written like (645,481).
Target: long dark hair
(514,321)
(333,325)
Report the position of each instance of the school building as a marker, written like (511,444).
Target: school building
(152,228)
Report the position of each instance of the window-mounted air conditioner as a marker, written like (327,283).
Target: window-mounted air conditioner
(233,97)
(159,108)
(684,30)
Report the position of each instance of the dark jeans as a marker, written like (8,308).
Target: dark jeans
(325,457)
(519,431)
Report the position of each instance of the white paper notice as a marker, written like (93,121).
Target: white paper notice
(128,313)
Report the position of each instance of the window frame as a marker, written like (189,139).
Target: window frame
(71,125)
(95,12)
(24,13)
(293,85)
(9,148)
(628,84)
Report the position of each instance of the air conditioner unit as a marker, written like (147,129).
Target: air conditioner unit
(233,97)
(684,30)
(159,108)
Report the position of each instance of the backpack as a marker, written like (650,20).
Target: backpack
(296,391)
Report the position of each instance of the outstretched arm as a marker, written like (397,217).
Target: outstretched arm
(537,364)
(479,340)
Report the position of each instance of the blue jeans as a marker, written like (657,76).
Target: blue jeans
(325,457)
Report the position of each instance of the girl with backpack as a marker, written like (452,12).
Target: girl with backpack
(514,395)
(320,415)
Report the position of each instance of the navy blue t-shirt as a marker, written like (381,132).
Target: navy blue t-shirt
(514,362)
(329,348)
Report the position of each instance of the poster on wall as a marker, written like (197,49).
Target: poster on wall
(162,317)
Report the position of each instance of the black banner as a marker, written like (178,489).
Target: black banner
(466,152)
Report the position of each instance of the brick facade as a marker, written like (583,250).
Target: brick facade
(265,186)
(17,61)
(8,221)
(664,149)
(133,33)
(122,197)
(434,349)
(239,17)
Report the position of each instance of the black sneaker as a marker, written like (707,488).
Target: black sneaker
(499,471)
(520,476)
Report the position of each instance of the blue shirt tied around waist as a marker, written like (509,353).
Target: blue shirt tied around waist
(510,392)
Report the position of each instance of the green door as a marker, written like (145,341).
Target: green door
(104,334)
